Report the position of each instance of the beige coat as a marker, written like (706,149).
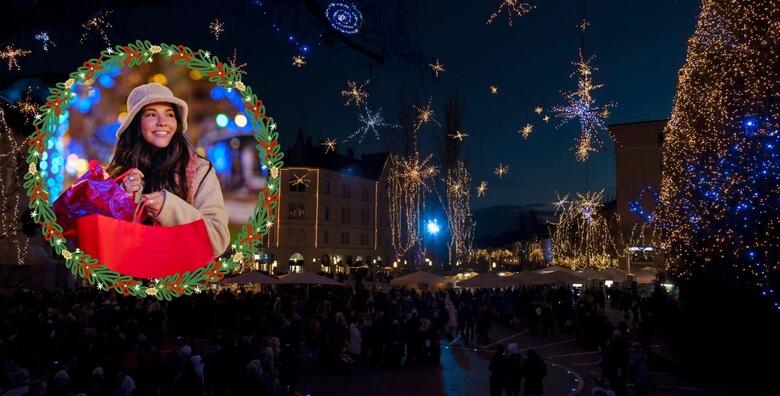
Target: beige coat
(207,205)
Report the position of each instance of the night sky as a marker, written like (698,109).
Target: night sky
(640,46)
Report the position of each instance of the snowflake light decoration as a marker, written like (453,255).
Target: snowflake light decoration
(217,28)
(493,89)
(329,144)
(355,93)
(344,17)
(43,37)
(459,135)
(12,54)
(299,61)
(501,170)
(234,63)
(538,110)
(97,23)
(511,7)
(425,114)
(370,121)
(482,189)
(582,107)
(437,68)
(526,131)
(300,180)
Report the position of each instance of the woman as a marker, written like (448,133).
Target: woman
(178,186)
(498,371)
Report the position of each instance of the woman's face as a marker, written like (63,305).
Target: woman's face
(158,124)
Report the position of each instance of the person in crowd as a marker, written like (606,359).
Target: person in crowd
(514,369)
(498,371)
(534,371)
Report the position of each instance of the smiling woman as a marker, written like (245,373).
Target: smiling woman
(158,161)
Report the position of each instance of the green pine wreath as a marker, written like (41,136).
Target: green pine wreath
(88,268)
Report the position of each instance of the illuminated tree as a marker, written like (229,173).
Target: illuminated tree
(720,196)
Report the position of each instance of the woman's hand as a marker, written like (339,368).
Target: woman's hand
(134,181)
(154,203)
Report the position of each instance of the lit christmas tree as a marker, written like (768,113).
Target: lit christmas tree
(720,193)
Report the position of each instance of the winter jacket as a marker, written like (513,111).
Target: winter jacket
(207,204)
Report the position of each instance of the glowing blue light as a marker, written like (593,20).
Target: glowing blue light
(433,227)
(106,81)
(344,17)
(305,48)
(219,155)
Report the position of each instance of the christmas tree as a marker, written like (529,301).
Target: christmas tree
(720,193)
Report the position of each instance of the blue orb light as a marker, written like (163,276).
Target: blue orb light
(344,17)
(433,227)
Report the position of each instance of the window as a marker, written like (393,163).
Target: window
(297,186)
(296,263)
(327,213)
(345,193)
(345,215)
(366,196)
(345,238)
(365,217)
(296,211)
(326,237)
(364,239)
(327,187)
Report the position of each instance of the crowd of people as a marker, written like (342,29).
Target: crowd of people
(67,342)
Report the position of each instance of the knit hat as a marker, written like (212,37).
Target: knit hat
(143,95)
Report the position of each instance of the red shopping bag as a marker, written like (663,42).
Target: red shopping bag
(144,251)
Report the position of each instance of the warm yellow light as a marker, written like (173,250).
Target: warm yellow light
(195,75)
(160,79)
(240,120)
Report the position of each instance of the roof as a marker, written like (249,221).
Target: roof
(304,154)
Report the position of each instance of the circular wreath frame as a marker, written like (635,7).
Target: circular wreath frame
(88,268)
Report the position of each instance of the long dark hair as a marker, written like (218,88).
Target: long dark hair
(164,168)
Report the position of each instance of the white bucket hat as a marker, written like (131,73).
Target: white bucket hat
(143,95)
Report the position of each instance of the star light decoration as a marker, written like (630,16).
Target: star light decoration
(538,110)
(582,107)
(217,28)
(329,144)
(459,135)
(419,172)
(299,61)
(99,24)
(355,93)
(370,121)
(300,180)
(11,53)
(437,68)
(501,170)
(511,7)
(482,189)
(493,89)
(27,105)
(526,131)
(43,37)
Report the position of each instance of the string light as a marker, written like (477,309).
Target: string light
(457,208)
(501,170)
(329,144)
(459,135)
(583,234)
(9,225)
(370,121)
(510,7)
(217,28)
(12,54)
(97,23)
(718,206)
(436,67)
(344,17)
(482,189)
(582,107)
(299,61)
(355,93)
(583,25)
(526,131)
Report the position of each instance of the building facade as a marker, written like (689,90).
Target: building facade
(638,167)
(332,215)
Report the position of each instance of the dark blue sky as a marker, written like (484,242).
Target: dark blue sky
(640,46)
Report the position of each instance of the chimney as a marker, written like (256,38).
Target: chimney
(350,153)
